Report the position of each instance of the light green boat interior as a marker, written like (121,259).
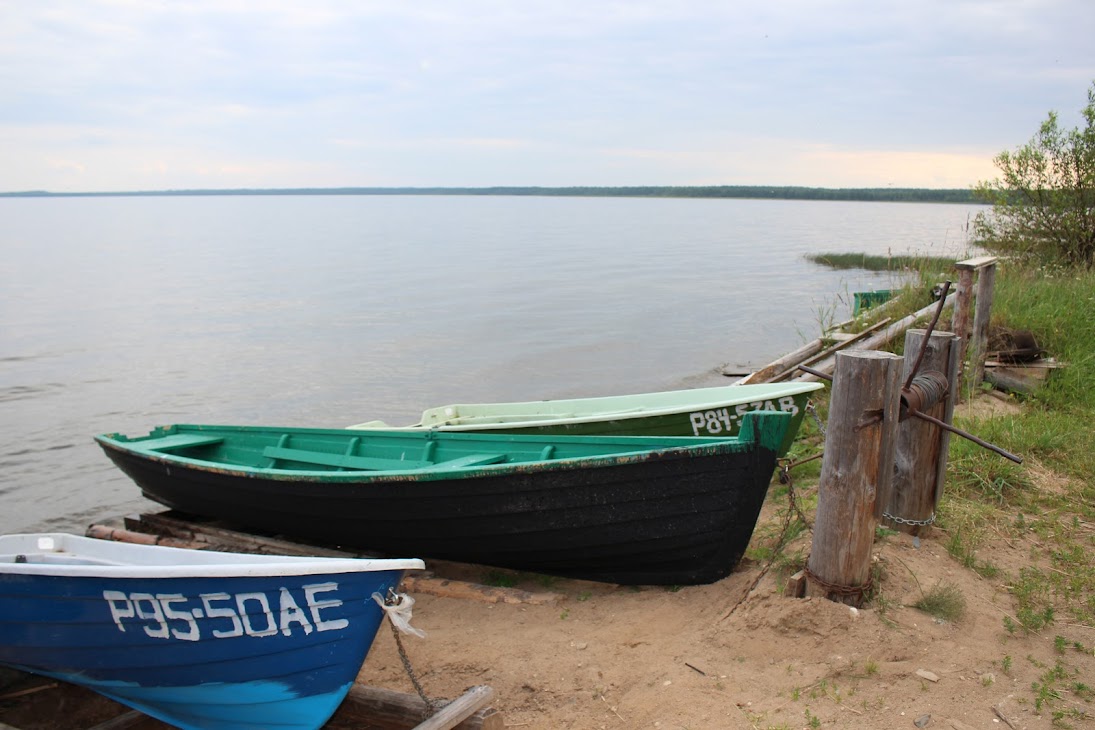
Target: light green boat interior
(531,414)
(345,454)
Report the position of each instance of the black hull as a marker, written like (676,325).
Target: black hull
(662,521)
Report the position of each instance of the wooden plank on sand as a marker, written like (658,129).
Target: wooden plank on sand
(384,709)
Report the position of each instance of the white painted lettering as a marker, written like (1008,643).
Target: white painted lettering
(217,612)
(166,599)
(315,606)
(169,615)
(153,613)
(292,613)
(264,611)
(120,607)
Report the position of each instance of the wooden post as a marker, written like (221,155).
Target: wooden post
(985,268)
(921,453)
(858,464)
(963,298)
(982,313)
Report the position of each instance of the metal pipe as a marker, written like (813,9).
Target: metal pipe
(818,373)
(966,435)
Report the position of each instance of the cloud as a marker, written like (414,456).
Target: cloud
(434,93)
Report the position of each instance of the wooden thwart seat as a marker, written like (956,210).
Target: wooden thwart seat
(470,460)
(374,463)
(180,441)
(320,458)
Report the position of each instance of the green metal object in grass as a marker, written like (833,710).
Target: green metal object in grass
(867,299)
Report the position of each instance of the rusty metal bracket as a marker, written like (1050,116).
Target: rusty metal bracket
(870,418)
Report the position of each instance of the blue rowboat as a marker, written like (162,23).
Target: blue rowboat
(198,639)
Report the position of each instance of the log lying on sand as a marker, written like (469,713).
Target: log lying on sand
(845,342)
(789,360)
(878,340)
(375,707)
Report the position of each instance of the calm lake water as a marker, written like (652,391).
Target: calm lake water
(119,314)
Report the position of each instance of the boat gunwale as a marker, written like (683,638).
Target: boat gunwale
(455,424)
(707,446)
(219,565)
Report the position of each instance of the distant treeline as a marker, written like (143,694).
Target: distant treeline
(911,195)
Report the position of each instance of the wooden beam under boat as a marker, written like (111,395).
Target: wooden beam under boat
(29,700)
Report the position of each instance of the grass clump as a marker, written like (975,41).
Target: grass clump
(944,602)
(499,579)
(1047,502)
(868,262)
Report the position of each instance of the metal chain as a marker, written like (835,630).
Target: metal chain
(817,419)
(785,466)
(839,589)
(906,521)
(393,599)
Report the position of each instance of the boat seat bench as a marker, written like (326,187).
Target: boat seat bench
(373,463)
(322,458)
(179,441)
(471,460)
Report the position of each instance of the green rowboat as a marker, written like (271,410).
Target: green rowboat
(714,412)
(622,509)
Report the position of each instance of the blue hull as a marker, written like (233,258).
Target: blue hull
(226,652)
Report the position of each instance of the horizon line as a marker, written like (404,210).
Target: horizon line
(764,191)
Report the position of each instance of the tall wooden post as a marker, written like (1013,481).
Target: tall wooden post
(982,313)
(976,342)
(963,299)
(921,453)
(858,465)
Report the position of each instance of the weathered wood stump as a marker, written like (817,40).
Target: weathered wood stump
(975,341)
(921,452)
(858,465)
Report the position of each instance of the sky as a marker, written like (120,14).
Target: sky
(122,95)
